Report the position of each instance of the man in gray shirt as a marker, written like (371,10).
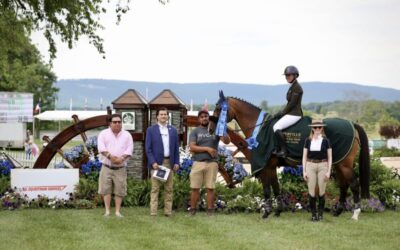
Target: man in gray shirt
(204,147)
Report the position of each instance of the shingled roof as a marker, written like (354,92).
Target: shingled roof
(167,98)
(130,99)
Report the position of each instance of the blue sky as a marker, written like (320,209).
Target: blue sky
(243,41)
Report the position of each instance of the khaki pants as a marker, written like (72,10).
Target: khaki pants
(203,173)
(109,177)
(316,175)
(155,189)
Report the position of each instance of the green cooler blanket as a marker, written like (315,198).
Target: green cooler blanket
(340,132)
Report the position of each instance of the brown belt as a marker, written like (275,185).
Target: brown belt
(317,161)
(112,167)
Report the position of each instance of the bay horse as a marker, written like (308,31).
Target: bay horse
(246,115)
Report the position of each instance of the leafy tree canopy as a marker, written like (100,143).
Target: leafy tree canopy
(68,19)
(21,66)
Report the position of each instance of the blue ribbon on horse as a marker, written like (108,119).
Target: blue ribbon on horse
(252,141)
(221,129)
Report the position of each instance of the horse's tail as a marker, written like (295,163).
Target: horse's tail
(363,161)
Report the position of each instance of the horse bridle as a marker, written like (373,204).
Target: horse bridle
(215,119)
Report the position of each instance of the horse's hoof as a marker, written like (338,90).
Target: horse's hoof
(337,213)
(265,215)
(278,213)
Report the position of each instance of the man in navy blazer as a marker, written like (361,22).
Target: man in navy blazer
(162,148)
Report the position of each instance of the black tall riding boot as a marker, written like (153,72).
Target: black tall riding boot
(321,207)
(313,208)
(281,141)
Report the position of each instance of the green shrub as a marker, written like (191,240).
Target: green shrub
(252,187)
(386,152)
(138,193)
(246,203)
(87,189)
(181,193)
(4,184)
(84,204)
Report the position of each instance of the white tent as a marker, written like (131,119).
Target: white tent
(195,112)
(66,115)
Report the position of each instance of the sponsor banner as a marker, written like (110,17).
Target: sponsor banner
(128,120)
(16,107)
(53,183)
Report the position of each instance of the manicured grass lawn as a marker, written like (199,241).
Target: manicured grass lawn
(87,229)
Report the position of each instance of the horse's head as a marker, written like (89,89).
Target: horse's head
(218,105)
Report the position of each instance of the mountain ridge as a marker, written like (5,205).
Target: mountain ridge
(314,92)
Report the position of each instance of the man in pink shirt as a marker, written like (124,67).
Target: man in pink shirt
(115,146)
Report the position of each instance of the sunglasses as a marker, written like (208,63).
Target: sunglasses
(116,122)
(317,127)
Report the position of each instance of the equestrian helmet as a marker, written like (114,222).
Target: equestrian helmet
(291,70)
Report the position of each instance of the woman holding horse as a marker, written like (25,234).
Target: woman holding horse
(317,164)
(292,113)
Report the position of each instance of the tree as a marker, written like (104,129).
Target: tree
(394,110)
(68,19)
(264,105)
(389,127)
(21,66)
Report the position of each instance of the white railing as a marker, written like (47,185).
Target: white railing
(28,161)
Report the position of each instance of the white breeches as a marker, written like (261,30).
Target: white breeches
(286,121)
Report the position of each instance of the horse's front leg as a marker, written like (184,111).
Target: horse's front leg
(269,179)
(266,183)
(277,192)
(267,206)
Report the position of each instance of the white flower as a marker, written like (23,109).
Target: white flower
(298,206)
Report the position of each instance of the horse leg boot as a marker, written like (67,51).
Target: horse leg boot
(279,207)
(321,207)
(267,206)
(281,141)
(342,200)
(355,189)
(277,194)
(313,208)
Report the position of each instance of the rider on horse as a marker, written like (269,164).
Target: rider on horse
(292,113)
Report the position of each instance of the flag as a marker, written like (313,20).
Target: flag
(37,108)
(205,106)
(86,105)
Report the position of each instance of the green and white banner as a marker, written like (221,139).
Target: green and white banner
(16,107)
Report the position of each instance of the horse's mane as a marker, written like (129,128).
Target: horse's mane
(242,100)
